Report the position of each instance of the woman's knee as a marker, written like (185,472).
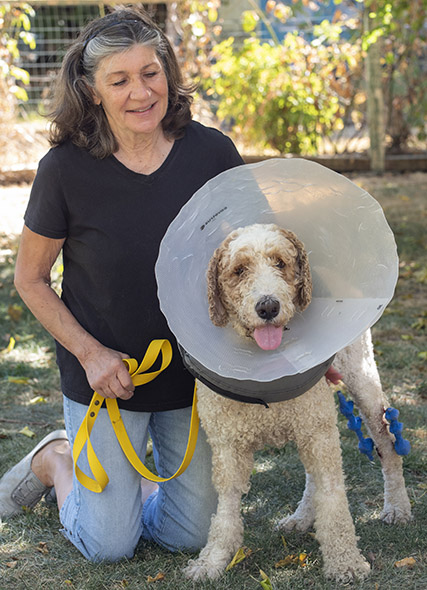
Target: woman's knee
(101,535)
(177,526)
(102,544)
(192,541)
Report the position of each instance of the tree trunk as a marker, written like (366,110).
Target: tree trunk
(375,99)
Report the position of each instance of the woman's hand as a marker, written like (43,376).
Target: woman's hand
(107,373)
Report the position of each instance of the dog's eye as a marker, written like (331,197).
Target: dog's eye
(239,271)
(279,263)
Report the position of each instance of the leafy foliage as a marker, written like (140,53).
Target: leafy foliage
(401,27)
(194,28)
(285,96)
(15,26)
(290,94)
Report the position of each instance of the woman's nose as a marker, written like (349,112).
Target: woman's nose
(140,88)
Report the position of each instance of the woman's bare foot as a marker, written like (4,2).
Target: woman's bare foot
(53,465)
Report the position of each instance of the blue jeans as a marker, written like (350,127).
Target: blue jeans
(108,526)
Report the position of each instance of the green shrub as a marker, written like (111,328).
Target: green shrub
(284,96)
(15,25)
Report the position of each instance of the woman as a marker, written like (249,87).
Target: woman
(126,158)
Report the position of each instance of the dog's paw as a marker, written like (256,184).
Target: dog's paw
(344,573)
(202,569)
(296,522)
(393,514)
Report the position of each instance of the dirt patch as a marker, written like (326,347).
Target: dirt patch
(23,144)
(13,201)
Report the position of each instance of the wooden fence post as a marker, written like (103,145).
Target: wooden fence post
(375,98)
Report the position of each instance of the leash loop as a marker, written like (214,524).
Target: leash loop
(140,376)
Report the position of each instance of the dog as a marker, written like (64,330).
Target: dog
(258,278)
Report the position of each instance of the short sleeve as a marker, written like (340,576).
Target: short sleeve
(233,156)
(46,212)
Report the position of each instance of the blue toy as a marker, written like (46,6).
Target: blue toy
(401,445)
(354,423)
(366,445)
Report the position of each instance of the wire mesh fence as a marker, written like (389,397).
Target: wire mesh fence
(54,26)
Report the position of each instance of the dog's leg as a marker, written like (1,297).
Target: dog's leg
(319,449)
(357,365)
(303,517)
(232,463)
(226,530)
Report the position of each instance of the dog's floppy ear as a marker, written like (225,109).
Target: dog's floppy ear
(304,283)
(217,313)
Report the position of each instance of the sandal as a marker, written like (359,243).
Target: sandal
(20,487)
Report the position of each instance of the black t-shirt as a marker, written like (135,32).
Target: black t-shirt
(113,220)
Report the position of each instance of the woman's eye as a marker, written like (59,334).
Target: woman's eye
(151,74)
(119,83)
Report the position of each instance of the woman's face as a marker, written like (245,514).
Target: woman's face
(133,90)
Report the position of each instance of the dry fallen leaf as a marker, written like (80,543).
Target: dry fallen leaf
(42,547)
(265,582)
(160,576)
(10,346)
(20,380)
(15,312)
(240,555)
(11,564)
(285,545)
(27,432)
(38,400)
(24,338)
(406,562)
(288,560)
(299,559)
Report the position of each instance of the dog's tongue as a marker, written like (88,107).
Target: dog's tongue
(268,337)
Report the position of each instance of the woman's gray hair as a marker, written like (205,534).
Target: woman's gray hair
(74,114)
(108,42)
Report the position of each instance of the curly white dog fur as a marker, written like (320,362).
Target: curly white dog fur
(258,279)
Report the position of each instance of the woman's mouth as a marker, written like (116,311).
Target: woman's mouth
(144,110)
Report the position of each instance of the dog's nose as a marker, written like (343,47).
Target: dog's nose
(267,307)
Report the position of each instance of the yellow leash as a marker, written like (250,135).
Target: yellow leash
(139,376)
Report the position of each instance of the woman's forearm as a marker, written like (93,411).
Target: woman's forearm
(104,368)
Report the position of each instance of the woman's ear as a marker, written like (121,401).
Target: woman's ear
(92,91)
(95,97)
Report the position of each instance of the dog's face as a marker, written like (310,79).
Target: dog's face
(257,279)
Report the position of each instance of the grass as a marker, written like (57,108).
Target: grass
(33,553)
